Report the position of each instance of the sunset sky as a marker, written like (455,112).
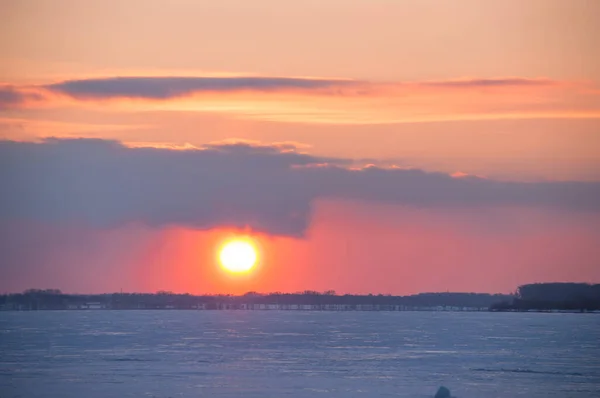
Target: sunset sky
(365,146)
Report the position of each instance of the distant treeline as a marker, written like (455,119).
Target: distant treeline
(51,299)
(553,296)
(532,297)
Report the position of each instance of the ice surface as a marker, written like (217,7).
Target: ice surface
(99,354)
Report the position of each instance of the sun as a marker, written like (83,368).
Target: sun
(238,256)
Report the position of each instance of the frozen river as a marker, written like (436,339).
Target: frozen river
(100,354)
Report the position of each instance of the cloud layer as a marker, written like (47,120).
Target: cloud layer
(11,96)
(265,188)
(315,100)
(162,87)
(172,87)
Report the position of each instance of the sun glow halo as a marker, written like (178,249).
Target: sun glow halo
(238,256)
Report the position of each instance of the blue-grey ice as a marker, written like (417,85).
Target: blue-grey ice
(263,354)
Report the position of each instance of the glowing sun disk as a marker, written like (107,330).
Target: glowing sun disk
(238,256)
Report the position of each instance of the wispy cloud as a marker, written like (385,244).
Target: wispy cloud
(173,87)
(12,96)
(315,100)
(266,188)
(484,83)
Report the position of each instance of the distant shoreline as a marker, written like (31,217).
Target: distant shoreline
(539,297)
(306,301)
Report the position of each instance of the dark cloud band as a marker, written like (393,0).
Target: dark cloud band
(159,88)
(240,185)
(171,87)
(11,96)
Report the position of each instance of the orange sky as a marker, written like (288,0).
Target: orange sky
(505,90)
(350,248)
